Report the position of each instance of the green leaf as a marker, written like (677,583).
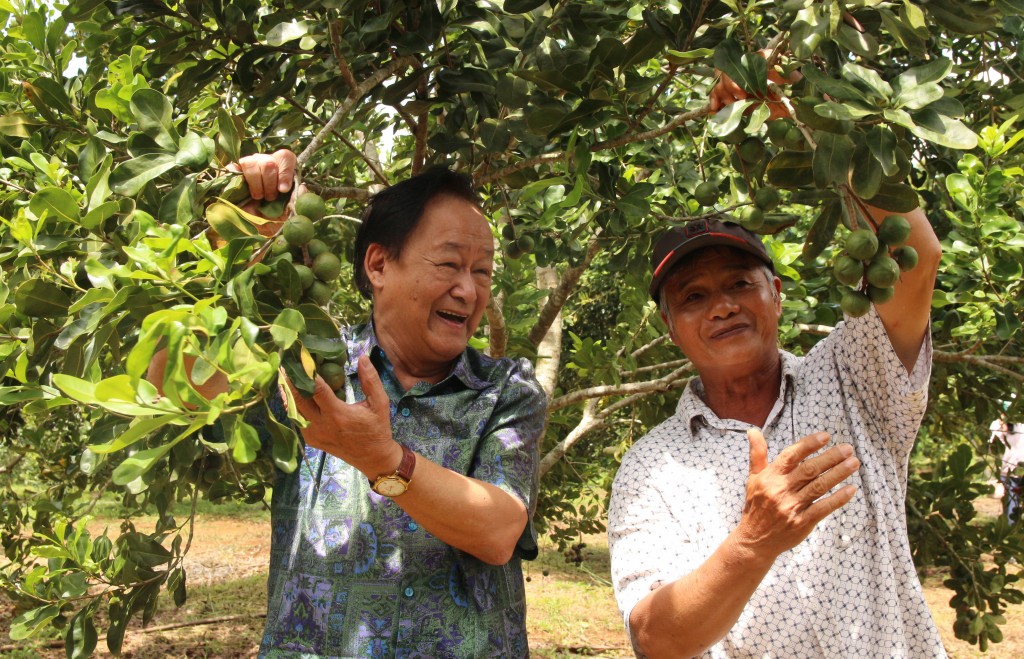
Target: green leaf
(244,442)
(285,445)
(17,124)
(916,98)
(131,176)
(229,139)
(282,33)
(41,299)
(139,429)
(137,465)
(823,230)
(153,112)
(287,327)
(179,205)
(928,73)
(192,151)
(790,169)
(867,173)
(806,35)
(832,160)
(868,80)
(80,637)
(950,133)
(882,143)
(31,621)
(728,118)
(896,197)
(56,203)
(749,71)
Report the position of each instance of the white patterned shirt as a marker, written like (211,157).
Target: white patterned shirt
(850,588)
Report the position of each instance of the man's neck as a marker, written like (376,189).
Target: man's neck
(408,370)
(747,397)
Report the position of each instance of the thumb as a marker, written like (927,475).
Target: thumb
(373,388)
(758,451)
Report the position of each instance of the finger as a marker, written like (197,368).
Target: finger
(373,388)
(811,468)
(824,483)
(822,508)
(269,177)
(285,161)
(251,170)
(796,453)
(758,451)
(323,395)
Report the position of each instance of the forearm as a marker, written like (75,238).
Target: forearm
(464,512)
(906,315)
(687,616)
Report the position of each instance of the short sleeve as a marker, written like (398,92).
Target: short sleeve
(872,373)
(507,454)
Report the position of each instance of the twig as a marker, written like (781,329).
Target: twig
(603,391)
(357,93)
(496,328)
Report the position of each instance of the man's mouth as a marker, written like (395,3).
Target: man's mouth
(726,332)
(452,317)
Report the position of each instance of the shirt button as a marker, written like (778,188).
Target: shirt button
(405,411)
(412,526)
(408,592)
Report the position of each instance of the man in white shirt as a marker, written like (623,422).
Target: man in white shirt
(729,541)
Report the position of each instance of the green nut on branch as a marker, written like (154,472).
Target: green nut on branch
(298,230)
(861,244)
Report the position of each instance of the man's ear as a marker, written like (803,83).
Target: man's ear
(374,264)
(777,283)
(668,323)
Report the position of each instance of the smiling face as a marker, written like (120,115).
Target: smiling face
(429,300)
(724,307)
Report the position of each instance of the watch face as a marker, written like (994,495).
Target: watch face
(390,486)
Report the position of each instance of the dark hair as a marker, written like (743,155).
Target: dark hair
(393,213)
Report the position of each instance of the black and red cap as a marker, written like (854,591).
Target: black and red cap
(677,242)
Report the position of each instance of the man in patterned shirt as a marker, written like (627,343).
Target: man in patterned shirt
(726,542)
(405,537)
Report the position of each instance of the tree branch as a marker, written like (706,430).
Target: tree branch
(985,361)
(558,296)
(591,422)
(662,384)
(374,166)
(357,93)
(497,330)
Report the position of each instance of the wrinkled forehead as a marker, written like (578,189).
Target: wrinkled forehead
(711,260)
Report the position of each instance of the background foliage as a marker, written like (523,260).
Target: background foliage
(586,126)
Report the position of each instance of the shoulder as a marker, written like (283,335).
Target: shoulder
(666,437)
(502,372)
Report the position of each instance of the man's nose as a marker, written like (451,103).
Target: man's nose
(722,305)
(463,287)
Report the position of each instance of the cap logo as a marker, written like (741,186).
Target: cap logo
(696,228)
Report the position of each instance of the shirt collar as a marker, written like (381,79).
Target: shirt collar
(693,410)
(362,340)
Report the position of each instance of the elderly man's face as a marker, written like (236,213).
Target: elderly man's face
(431,298)
(724,310)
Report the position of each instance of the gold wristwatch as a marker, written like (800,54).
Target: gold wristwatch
(396,483)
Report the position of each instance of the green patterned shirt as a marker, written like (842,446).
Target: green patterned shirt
(352,575)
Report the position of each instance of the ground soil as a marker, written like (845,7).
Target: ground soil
(572,611)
